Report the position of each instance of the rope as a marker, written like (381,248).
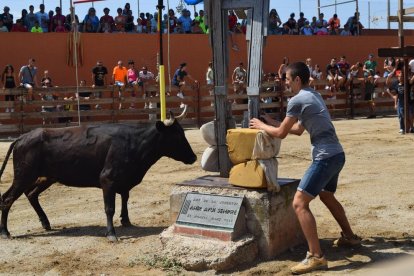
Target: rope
(75,42)
(168,49)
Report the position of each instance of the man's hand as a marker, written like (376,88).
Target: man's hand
(256,123)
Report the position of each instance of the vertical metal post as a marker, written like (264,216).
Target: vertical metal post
(138,9)
(319,7)
(300,6)
(388,14)
(401,44)
(369,14)
(160,7)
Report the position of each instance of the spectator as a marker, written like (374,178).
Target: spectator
(91,22)
(301,20)
(172,20)
(397,92)
(411,66)
(179,80)
(343,71)
(145,77)
(43,18)
(201,20)
(346,31)
(313,24)
(356,72)
(321,26)
(19,27)
(50,22)
(282,68)
(389,66)
(106,23)
(69,22)
(8,78)
(333,25)
(126,9)
(7,18)
(85,95)
(306,29)
(120,21)
(285,29)
(60,28)
(239,78)
(59,17)
(148,17)
(3,29)
(132,77)
(354,24)
(186,21)
(36,28)
(23,18)
(142,23)
(196,29)
(129,22)
(46,82)
(370,69)
(210,80)
(232,21)
(332,75)
(292,25)
(317,74)
(30,19)
(99,79)
(119,78)
(179,28)
(274,23)
(164,24)
(27,77)
(308,63)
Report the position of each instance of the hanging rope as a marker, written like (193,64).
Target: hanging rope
(168,48)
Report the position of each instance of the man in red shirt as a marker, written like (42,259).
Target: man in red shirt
(19,27)
(58,17)
(107,22)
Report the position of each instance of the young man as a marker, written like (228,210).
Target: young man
(27,77)
(145,77)
(307,111)
(119,78)
(239,78)
(99,73)
(178,80)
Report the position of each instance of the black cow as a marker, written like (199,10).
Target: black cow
(112,157)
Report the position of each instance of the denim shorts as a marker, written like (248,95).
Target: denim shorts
(322,175)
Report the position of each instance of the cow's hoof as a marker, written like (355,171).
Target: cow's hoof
(46,226)
(5,235)
(112,238)
(126,223)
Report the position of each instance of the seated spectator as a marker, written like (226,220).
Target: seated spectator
(19,27)
(306,29)
(317,74)
(274,23)
(46,82)
(7,18)
(59,17)
(343,67)
(333,25)
(301,20)
(36,28)
(321,26)
(106,23)
(285,30)
(196,29)
(346,31)
(389,66)
(91,22)
(120,21)
(3,28)
(332,75)
(132,76)
(291,24)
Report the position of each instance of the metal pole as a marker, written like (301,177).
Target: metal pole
(300,6)
(388,14)
(369,14)
(335,6)
(60,5)
(319,7)
(138,8)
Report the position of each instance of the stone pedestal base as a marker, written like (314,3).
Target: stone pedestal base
(270,218)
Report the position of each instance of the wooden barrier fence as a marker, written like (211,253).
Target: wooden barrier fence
(62,110)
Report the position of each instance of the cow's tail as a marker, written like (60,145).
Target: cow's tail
(5,163)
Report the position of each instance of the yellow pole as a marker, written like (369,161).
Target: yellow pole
(162,94)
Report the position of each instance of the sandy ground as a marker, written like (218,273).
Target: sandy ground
(376,189)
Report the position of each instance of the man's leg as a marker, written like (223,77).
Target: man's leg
(307,222)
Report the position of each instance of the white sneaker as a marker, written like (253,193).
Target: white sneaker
(327,87)
(182,105)
(146,105)
(12,110)
(180,95)
(7,110)
(401,131)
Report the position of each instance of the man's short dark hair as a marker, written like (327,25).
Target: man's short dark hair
(301,70)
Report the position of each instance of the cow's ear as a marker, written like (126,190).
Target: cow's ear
(160,126)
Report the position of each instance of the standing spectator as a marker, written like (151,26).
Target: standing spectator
(129,22)
(274,22)
(50,25)
(7,18)
(354,24)
(145,77)
(172,20)
(126,9)
(232,21)
(301,20)
(142,23)
(19,27)
(307,111)
(343,71)
(210,80)
(36,28)
(370,69)
(397,92)
(99,79)
(333,25)
(59,17)
(148,18)
(91,22)
(313,24)
(201,20)
(8,78)
(23,18)
(60,28)
(119,78)
(164,24)
(120,21)
(43,18)
(179,81)
(186,21)
(239,78)
(30,18)
(69,21)
(411,66)
(106,23)
(154,23)
(132,77)
(27,77)
(3,29)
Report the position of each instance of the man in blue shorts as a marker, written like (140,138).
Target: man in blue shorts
(307,111)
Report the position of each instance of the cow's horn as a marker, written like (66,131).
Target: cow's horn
(170,120)
(183,114)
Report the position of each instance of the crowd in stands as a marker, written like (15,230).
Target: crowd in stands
(125,22)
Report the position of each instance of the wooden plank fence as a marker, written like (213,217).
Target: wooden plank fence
(63,108)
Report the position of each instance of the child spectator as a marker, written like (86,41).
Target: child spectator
(345,31)
(8,78)
(36,28)
(19,27)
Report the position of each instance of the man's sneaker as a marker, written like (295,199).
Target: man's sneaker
(310,263)
(180,95)
(12,109)
(344,241)
(7,110)
(401,131)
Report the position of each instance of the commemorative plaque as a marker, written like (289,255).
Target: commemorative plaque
(207,210)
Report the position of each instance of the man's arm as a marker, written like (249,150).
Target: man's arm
(288,125)
(93,79)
